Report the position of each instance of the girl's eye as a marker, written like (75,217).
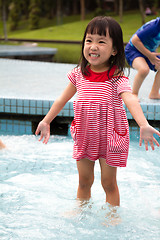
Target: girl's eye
(88,40)
(101,42)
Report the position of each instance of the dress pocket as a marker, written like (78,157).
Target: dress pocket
(73,130)
(118,142)
(118,130)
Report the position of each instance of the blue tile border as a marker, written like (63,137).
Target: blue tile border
(20,127)
(151,111)
(41,107)
(31,107)
(15,127)
(26,107)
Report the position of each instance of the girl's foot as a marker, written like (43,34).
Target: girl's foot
(81,206)
(154,96)
(112,218)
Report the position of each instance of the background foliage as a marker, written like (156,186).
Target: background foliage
(61,20)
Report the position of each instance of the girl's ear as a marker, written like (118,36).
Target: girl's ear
(114,52)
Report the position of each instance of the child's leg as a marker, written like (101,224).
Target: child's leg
(154,94)
(142,67)
(2,144)
(109,183)
(86,178)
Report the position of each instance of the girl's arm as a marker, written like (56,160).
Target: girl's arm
(44,125)
(146,131)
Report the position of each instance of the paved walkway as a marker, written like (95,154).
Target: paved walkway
(23,79)
(45,81)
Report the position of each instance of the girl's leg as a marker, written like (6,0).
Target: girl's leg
(154,94)
(2,144)
(109,183)
(86,178)
(142,67)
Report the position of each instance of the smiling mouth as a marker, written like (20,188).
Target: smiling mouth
(93,55)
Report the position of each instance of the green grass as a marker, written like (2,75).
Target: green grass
(67,53)
(72,29)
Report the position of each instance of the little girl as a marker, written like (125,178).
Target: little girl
(100,128)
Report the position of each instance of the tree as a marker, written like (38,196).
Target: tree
(4,19)
(82,2)
(116,7)
(141,7)
(48,8)
(34,12)
(14,14)
(59,12)
(24,5)
(121,10)
(75,7)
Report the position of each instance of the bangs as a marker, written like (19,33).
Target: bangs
(98,27)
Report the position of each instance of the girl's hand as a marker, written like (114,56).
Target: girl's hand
(44,129)
(146,134)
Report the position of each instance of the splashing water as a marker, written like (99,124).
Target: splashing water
(38,185)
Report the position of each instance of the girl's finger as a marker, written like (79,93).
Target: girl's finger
(155,141)
(37,131)
(152,145)
(157,132)
(46,139)
(146,145)
(41,136)
(140,142)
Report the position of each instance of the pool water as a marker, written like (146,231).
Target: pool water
(38,185)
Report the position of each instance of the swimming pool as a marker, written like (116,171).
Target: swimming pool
(38,186)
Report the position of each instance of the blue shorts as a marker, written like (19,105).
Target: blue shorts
(132,53)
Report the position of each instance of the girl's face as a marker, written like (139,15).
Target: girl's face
(97,51)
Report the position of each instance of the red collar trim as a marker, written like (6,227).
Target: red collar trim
(100,76)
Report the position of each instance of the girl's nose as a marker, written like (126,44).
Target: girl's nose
(94,47)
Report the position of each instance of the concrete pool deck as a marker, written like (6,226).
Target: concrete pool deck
(28,88)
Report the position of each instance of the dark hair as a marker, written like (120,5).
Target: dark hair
(99,25)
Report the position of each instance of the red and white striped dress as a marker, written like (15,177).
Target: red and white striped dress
(100,127)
